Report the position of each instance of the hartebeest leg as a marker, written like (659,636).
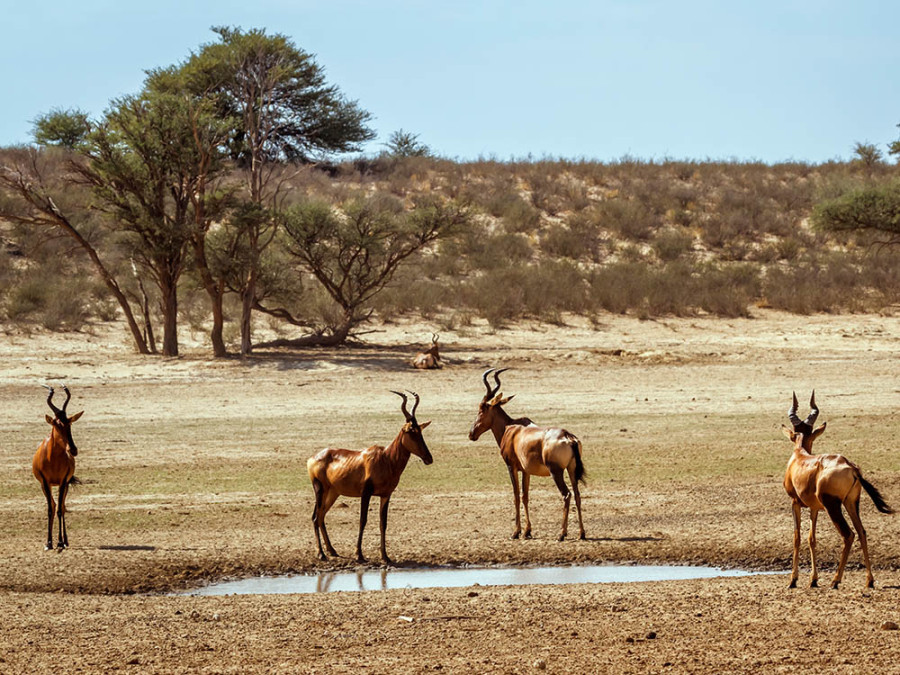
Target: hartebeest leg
(814,574)
(317,491)
(324,501)
(577,492)
(63,540)
(853,509)
(384,513)
(833,506)
(515,483)
(526,483)
(363,516)
(557,474)
(329,502)
(51,507)
(795,565)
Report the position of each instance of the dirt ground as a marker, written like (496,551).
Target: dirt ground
(194,471)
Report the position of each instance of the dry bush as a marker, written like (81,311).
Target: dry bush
(629,219)
(835,281)
(50,300)
(727,290)
(671,244)
(579,239)
(543,290)
(619,286)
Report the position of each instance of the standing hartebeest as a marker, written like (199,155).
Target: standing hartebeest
(429,359)
(532,450)
(54,464)
(824,482)
(366,473)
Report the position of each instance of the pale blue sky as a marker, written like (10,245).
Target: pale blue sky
(761,80)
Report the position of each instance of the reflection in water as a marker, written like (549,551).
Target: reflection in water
(454,577)
(324,581)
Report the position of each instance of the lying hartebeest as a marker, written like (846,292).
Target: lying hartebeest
(376,471)
(531,450)
(824,482)
(54,464)
(429,359)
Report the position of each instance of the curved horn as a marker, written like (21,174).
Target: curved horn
(484,377)
(814,412)
(497,379)
(792,413)
(56,411)
(403,405)
(68,396)
(434,338)
(412,415)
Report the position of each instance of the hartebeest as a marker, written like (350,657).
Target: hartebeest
(430,358)
(531,450)
(824,482)
(54,464)
(366,473)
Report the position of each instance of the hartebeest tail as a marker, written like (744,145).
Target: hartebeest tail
(875,495)
(580,471)
(825,483)
(533,451)
(54,465)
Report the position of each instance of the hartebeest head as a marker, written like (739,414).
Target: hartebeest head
(492,400)
(61,421)
(804,428)
(411,437)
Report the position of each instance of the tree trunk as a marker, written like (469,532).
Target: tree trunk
(334,339)
(216,333)
(215,291)
(248,295)
(169,291)
(148,322)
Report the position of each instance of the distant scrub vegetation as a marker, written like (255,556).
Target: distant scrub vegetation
(539,240)
(200,202)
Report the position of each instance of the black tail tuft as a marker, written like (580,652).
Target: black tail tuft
(73,481)
(880,504)
(580,471)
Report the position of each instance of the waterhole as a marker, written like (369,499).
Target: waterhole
(455,577)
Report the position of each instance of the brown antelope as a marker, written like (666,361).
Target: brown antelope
(429,359)
(531,450)
(54,464)
(366,473)
(824,482)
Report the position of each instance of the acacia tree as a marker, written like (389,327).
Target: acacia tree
(355,252)
(34,192)
(149,163)
(283,111)
(873,210)
(206,132)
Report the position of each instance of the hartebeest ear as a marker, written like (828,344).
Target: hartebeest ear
(422,426)
(818,432)
(499,400)
(49,419)
(76,417)
(789,433)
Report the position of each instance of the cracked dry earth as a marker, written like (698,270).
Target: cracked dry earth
(194,471)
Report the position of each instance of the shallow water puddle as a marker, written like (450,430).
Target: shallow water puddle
(455,577)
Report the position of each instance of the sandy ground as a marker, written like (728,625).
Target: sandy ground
(194,470)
